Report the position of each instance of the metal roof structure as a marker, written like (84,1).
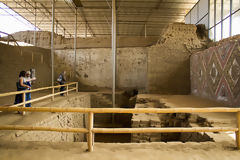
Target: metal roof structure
(134,17)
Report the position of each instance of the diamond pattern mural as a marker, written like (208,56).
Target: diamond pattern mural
(215,73)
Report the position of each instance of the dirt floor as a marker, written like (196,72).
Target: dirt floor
(105,151)
(223,148)
(190,101)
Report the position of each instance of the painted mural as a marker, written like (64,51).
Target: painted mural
(215,73)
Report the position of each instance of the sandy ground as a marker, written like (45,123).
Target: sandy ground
(223,148)
(190,101)
(107,151)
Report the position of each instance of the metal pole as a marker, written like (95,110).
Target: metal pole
(222,19)
(52,40)
(75,45)
(230,28)
(214,20)
(208,19)
(113,52)
(35,20)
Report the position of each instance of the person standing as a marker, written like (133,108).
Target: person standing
(62,80)
(21,85)
(28,81)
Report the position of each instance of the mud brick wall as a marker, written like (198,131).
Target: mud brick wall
(215,73)
(14,59)
(56,120)
(144,121)
(165,121)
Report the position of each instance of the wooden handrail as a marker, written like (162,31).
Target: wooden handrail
(36,128)
(34,90)
(43,97)
(121,110)
(163,130)
(91,130)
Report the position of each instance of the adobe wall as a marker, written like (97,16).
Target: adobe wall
(168,60)
(94,66)
(43,39)
(215,72)
(162,68)
(55,120)
(14,59)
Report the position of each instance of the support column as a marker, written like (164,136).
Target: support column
(113,53)
(230,28)
(75,46)
(52,41)
(64,30)
(35,20)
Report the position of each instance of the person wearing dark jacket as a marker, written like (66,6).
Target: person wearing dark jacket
(62,80)
(21,85)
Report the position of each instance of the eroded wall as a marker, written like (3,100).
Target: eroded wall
(51,119)
(94,66)
(162,68)
(14,59)
(215,72)
(43,39)
(168,60)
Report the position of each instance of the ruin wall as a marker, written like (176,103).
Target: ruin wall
(55,120)
(14,59)
(43,39)
(162,68)
(215,72)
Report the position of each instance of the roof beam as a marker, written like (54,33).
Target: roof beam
(49,13)
(82,15)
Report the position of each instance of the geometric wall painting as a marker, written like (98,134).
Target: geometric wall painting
(215,73)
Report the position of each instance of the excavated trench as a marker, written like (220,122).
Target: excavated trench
(126,100)
(167,120)
(103,100)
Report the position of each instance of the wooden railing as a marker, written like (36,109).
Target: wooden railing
(67,90)
(91,130)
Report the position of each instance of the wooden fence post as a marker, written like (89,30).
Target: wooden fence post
(76,86)
(90,133)
(24,102)
(53,94)
(238,132)
(67,89)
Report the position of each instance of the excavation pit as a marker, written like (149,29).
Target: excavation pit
(100,100)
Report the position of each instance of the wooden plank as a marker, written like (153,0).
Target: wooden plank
(90,133)
(120,110)
(53,94)
(24,102)
(35,128)
(67,90)
(76,87)
(34,90)
(163,130)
